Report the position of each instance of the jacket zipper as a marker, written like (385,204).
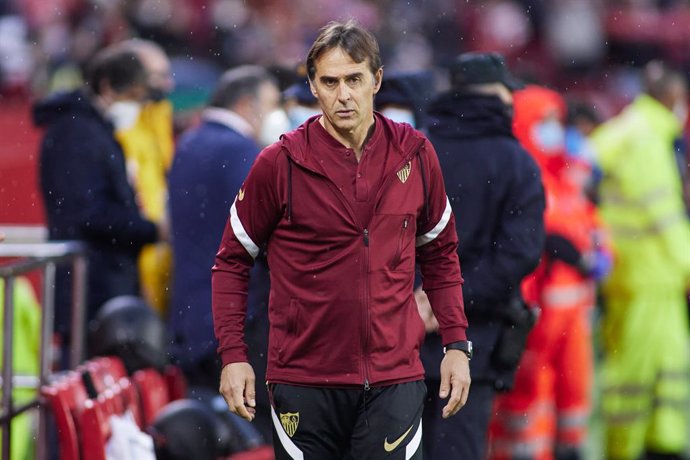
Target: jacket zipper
(367,319)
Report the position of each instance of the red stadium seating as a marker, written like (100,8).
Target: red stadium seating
(153,393)
(95,427)
(66,398)
(105,371)
(176,381)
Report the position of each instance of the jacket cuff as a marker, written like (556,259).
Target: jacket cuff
(454,334)
(234,355)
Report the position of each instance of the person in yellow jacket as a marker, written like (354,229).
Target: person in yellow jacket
(25,357)
(145,132)
(645,323)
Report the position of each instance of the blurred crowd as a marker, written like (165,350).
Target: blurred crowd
(606,83)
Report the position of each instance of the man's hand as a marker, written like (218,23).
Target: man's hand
(455,379)
(237,387)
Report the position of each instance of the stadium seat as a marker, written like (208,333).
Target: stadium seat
(260,453)
(94,425)
(153,393)
(176,381)
(66,397)
(105,371)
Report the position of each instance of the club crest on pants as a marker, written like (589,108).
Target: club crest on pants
(404,173)
(290,420)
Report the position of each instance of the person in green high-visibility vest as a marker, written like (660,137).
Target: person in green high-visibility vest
(645,324)
(25,347)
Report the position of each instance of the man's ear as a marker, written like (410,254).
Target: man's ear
(378,78)
(312,89)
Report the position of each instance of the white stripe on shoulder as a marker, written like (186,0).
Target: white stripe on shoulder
(293,451)
(434,232)
(241,233)
(412,447)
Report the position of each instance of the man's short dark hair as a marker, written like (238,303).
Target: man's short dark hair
(357,42)
(121,68)
(237,83)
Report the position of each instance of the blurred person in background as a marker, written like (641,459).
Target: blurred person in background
(495,191)
(299,102)
(210,164)
(84,182)
(403,97)
(546,413)
(345,204)
(144,129)
(645,322)
(582,120)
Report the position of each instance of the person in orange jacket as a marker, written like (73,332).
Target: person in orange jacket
(545,415)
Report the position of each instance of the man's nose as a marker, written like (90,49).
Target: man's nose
(343,91)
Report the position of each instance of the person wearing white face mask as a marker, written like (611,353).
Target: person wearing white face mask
(144,129)
(85,189)
(210,163)
(645,296)
(300,103)
(403,97)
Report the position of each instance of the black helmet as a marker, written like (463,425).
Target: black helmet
(186,430)
(127,327)
(235,433)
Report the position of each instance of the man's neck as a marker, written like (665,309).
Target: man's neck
(355,139)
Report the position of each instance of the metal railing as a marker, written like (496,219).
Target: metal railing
(44,257)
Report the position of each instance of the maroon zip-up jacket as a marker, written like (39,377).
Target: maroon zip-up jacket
(341,307)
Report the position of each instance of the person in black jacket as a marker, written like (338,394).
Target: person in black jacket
(496,193)
(84,181)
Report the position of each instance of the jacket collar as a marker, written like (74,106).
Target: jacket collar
(229,119)
(403,137)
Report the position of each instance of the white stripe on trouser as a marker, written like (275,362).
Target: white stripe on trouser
(240,232)
(412,447)
(289,446)
(434,232)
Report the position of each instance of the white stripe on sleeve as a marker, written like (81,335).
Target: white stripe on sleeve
(241,234)
(434,232)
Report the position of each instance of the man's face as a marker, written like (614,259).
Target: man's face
(159,73)
(267,100)
(345,90)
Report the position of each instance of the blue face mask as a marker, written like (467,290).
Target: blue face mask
(549,136)
(399,115)
(299,114)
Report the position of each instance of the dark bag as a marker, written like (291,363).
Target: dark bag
(519,319)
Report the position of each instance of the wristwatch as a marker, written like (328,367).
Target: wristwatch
(464,345)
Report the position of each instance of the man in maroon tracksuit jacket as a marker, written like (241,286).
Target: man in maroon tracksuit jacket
(345,204)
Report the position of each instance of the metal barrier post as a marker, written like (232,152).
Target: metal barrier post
(8,340)
(46,352)
(79,287)
(46,257)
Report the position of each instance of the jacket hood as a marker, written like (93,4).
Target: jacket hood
(533,105)
(481,116)
(49,110)
(295,142)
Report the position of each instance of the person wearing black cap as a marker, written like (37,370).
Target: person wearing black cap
(403,97)
(496,193)
(300,104)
